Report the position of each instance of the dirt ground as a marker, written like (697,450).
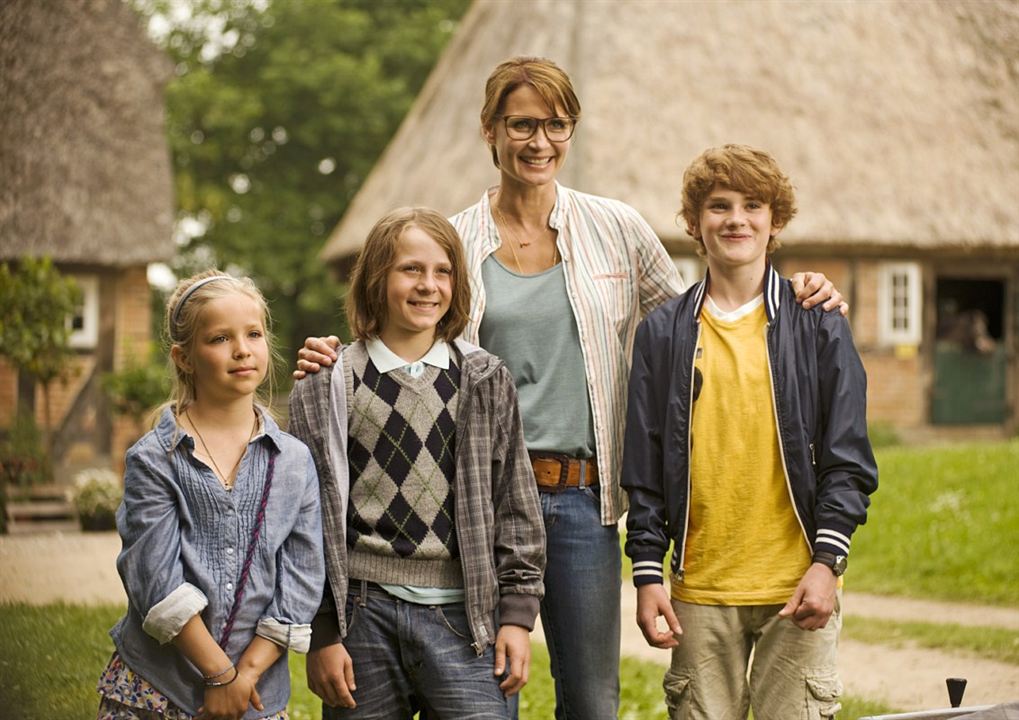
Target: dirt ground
(80,568)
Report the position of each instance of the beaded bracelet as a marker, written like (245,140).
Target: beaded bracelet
(210,680)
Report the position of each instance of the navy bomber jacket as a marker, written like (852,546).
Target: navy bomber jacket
(819,393)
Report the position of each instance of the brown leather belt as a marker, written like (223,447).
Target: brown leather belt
(555,472)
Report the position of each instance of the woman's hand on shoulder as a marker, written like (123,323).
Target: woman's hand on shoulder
(318,352)
(812,288)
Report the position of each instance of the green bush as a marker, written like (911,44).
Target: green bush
(96,495)
(23,459)
(138,387)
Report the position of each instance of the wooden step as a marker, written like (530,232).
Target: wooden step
(40,508)
(43,526)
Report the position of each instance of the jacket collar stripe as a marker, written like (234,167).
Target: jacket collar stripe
(772,292)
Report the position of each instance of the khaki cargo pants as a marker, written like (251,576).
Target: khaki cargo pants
(792,675)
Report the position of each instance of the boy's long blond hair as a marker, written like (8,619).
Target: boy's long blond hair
(367,306)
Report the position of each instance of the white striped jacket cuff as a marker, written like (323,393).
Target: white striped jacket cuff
(832,541)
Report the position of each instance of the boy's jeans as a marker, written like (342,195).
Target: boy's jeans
(408,656)
(793,674)
(580,611)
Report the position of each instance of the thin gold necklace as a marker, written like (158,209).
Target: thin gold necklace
(227,480)
(520,268)
(505,222)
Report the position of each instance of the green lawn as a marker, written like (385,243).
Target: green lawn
(51,656)
(943,524)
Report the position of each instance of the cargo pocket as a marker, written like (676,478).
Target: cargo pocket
(678,695)
(823,692)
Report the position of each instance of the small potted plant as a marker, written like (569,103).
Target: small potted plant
(96,495)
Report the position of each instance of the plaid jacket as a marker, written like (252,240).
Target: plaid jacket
(498,518)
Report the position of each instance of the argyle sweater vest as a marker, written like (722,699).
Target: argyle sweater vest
(402,457)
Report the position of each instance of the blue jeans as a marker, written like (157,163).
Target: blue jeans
(409,657)
(580,611)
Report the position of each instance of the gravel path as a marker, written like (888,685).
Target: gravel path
(79,567)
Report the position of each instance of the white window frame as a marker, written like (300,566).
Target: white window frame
(691,270)
(900,302)
(87,337)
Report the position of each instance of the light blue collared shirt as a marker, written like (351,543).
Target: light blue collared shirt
(185,537)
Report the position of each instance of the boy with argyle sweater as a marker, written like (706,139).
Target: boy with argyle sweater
(746,448)
(433,532)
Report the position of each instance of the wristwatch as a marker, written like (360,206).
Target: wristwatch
(837,563)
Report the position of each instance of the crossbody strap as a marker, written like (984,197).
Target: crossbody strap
(250,554)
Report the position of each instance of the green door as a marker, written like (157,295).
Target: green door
(969,387)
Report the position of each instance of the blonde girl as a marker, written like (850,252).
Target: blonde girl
(222,541)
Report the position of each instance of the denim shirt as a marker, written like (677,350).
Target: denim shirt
(185,537)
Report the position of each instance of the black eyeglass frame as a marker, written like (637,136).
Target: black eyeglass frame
(542,123)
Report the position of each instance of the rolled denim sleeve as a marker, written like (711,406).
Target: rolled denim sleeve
(167,617)
(150,561)
(301,574)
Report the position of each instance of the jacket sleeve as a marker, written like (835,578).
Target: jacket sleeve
(150,561)
(847,471)
(327,628)
(301,574)
(518,525)
(647,539)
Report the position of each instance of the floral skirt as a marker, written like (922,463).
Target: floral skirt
(126,695)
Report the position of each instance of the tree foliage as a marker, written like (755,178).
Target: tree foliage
(276,114)
(35,302)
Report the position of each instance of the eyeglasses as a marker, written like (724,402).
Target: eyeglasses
(522,127)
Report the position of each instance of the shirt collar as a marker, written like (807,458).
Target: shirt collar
(170,434)
(385,360)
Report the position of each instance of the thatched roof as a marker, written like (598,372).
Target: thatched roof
(84,166)
(897,121)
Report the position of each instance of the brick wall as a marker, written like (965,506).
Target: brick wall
(897,378)
(132,317)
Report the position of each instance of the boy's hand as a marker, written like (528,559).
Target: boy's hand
(813,601)
(812,288)
(317,352)
(652,603)
(331,675)
(512,643)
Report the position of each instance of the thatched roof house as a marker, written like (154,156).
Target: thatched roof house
(888,116)
(85,177)
(85,167)
(898,122)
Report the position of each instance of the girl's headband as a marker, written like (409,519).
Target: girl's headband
(190,291)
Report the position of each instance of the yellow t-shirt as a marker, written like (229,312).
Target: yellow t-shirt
(744,543)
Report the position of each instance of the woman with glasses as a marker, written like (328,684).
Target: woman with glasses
(559,282)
